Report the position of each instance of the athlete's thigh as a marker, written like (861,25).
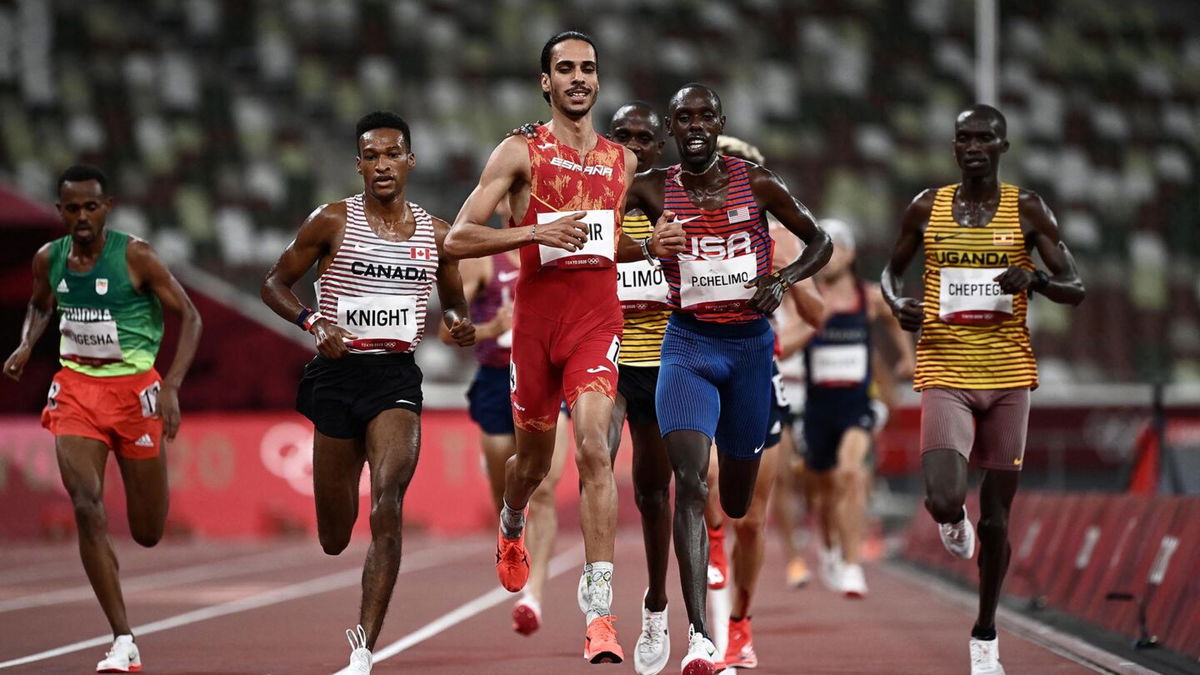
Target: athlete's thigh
(853,448)
(947,421)
(146,494)
(686,400)
(1002,429)
(81,462)
(393,445)
(534,383)
(747,398)
(337,468)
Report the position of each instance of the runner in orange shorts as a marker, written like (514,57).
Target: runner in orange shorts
(110,289)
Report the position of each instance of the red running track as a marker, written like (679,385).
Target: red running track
(282,607)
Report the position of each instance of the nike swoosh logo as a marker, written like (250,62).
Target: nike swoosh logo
(404,400)
(360,247)
(599,369)
(686,220)
(758,449)
(940,237)
(506,277)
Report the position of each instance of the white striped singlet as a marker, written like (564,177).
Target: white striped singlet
(378,289)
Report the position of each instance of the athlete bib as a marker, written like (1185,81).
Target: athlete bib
(599,249)
(970,296)
(642,287)
(716,285)
(90,342)
(387,322)
(839,365)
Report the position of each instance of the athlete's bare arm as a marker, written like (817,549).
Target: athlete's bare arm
(878,310)
(37,315)
(148,274)
(799,330)
(646,195)
(1041,230)
(774,196)
(507,176)
(315,242)
(805,300)
(455,315)
(476,273)
(909,311)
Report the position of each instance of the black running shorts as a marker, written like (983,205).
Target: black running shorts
(637,384)
(341,396)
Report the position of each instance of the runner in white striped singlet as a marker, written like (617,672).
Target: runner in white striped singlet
(378,256)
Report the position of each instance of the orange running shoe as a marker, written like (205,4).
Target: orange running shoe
(740,652)
(600,641)
(797,572)
(718,563)
(512,562)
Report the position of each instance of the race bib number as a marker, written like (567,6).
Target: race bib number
(839,365)
(716,285)
(89,342)
(149,399)
(598,251)
(970,296)
(781,397)
(379,322)
(642,287)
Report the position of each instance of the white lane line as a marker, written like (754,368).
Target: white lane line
(569,559)
(211,570)
(304,589)
(1064,644)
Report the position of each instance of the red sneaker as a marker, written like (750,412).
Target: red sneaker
(526,616)
(740,651)
(600,641)
(718,563)
(512,562)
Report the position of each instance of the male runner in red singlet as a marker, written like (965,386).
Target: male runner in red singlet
(715,376)
(566,190)
(110,289)
(975,365)
(378,256)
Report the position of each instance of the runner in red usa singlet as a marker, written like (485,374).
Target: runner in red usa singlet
(566,188)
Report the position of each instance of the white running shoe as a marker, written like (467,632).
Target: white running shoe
(701,657)
(854,582)
(122,658)
(985,657)
(959,538)
(653,648)
(360,656)
(829,567)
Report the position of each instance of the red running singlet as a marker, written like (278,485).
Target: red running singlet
(567,319)
(726,247)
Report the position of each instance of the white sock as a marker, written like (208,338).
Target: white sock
(512,522)
(125,638)
(599,584)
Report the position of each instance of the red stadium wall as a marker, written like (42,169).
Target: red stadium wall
(1070,551)
(249,475)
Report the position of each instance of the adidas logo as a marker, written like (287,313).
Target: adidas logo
(144,441)
(62,286)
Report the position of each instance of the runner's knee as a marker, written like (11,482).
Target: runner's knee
(651,498)
(734,505)
(90,516)
(945,506)
(691,488)
(146,534)
(751,525)
(333,540)
(386,517)
(592,458)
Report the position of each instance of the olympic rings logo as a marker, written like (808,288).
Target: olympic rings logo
(286,451)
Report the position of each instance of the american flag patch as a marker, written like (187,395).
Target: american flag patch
(1002,238)
(739,215)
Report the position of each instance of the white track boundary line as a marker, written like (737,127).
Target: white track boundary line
(558,564)
(227,567)
(1064,644)
(322,584)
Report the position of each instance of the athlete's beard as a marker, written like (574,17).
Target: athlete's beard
(563,105)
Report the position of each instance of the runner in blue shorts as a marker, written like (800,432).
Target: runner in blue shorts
(715,379)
